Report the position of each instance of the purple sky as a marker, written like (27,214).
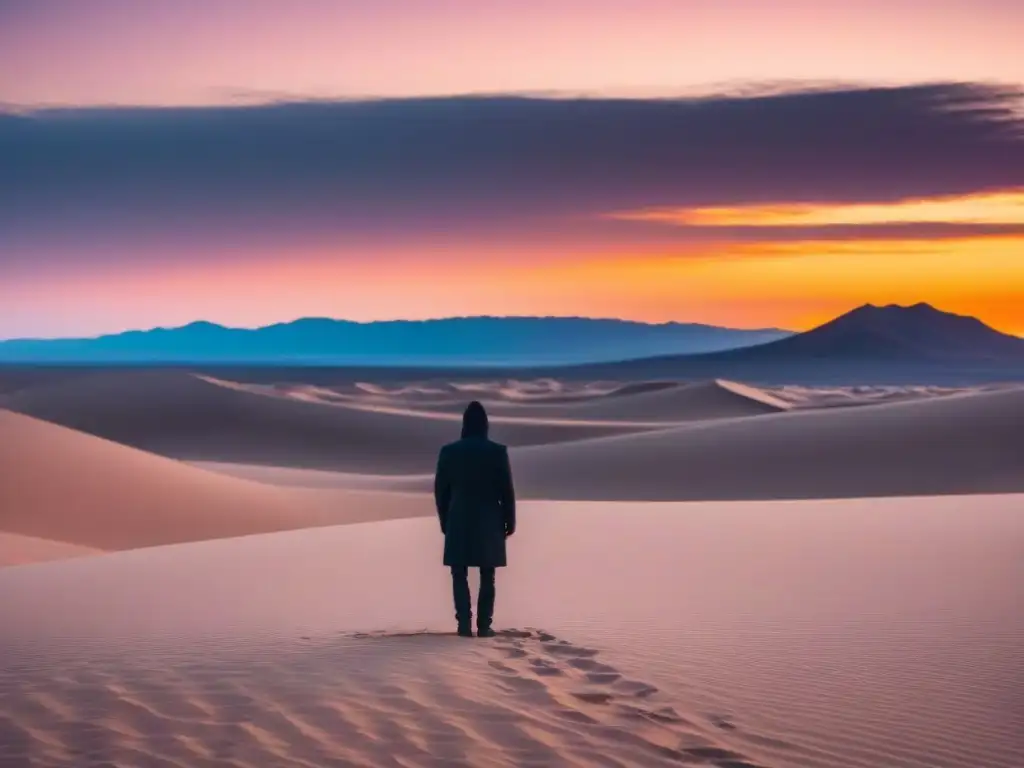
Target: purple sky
(231,197)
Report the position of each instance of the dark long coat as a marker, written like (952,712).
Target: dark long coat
(475,500)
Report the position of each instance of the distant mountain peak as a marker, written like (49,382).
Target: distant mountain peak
(920,307)
(921,312)
(913,332)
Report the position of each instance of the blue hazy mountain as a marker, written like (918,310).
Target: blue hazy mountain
(871,345)
(501,341)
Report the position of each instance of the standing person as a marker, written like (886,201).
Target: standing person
(476,505)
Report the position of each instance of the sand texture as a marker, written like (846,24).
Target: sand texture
(70,487)
(19,550)
(207,571)
(960,443)
(826,634)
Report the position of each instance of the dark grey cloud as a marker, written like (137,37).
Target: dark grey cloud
(504,166)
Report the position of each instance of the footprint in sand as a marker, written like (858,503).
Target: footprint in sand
(523,684)
(545,668)
(602,678)
(533,655)
(593,697)
(722,721)
(567,649)
(660,715)
(635,689)
(590,665)
(721,758)
(513,634)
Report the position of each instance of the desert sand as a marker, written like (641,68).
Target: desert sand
(19,550)
(960,443)
(211,572)
(185,416)
(814,633)
(65,486)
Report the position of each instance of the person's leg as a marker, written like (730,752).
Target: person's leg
(485,601)
(463,603)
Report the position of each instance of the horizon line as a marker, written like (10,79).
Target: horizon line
(409,320)
(448,318)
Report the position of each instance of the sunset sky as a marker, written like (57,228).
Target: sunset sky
(747,163)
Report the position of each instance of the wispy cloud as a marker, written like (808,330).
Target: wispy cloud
(999,208)
(514,167)
(992,214)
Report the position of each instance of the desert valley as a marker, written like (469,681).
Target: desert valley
(240,565)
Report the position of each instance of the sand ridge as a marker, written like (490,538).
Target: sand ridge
(70,487)
(16,549)
(960,443)
(178,414)
(664,402)
(968,443)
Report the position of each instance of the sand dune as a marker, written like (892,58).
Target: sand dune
(71,487)
(682,402)
(177,414)
(965,443)
(843,634)
(16,549)
(970,443)
(836,397)
(958,444)
(14,378)
(640,403)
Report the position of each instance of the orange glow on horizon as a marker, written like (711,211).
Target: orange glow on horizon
(791,285)
(989,208)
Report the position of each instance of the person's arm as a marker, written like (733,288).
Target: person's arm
(508,494)
(442,490)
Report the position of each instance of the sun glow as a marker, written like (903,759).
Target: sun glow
(990,208)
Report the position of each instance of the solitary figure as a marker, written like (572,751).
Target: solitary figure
(477,509)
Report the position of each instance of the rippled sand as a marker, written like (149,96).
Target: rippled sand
(842,633)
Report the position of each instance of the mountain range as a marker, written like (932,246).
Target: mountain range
(503,341)
(870,344)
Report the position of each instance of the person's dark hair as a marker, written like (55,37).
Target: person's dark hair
(474,421)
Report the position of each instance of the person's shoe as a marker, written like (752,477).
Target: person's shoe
(464,631)
(485,632)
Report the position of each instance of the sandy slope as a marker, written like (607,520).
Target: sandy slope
(964,443)
(960,443)
(67,486)
(839,397)
(654,401)
(971,443)
(16,549)
(844,634)
(177,414)
(664,402)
